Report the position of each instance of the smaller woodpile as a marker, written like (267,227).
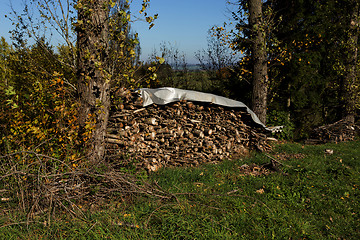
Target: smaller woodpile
(336,132)
(178,134)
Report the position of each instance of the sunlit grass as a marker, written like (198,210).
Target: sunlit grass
(316,196)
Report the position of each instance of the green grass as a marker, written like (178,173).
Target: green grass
(316,198)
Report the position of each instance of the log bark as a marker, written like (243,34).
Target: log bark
(339,131)
(260,75)
(351,74)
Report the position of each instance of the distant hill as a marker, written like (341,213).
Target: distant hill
(190,67)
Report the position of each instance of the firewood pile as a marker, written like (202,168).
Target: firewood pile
(336,132)
(179,134)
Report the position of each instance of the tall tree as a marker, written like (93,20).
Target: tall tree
(251,39)
(103,49)
(93,80)
(259,57)
(320,41)
(351,60)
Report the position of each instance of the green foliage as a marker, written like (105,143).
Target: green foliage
(308,62)
(281,118)
(38,102)
(40,141)
(124,46)
(47,114)
(38,130)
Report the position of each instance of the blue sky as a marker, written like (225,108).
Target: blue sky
(182,23)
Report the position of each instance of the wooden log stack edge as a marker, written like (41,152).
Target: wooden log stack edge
(340,131)
(178,134)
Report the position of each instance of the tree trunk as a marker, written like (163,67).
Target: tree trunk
(351,75)
(260,76)
(93,81)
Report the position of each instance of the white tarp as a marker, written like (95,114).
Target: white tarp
(165,95)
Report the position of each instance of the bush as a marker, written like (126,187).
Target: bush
(281,118)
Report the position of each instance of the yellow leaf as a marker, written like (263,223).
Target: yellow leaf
(160,59)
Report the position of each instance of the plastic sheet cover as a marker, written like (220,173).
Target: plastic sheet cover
(165,95)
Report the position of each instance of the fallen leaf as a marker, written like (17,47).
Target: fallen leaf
(260,191)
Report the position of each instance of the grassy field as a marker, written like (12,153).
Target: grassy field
(314,196)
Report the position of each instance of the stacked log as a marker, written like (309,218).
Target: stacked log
(178,134)
(336,132)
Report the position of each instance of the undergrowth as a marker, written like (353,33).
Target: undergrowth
(313,196)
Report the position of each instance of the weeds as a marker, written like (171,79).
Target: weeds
(39,187)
